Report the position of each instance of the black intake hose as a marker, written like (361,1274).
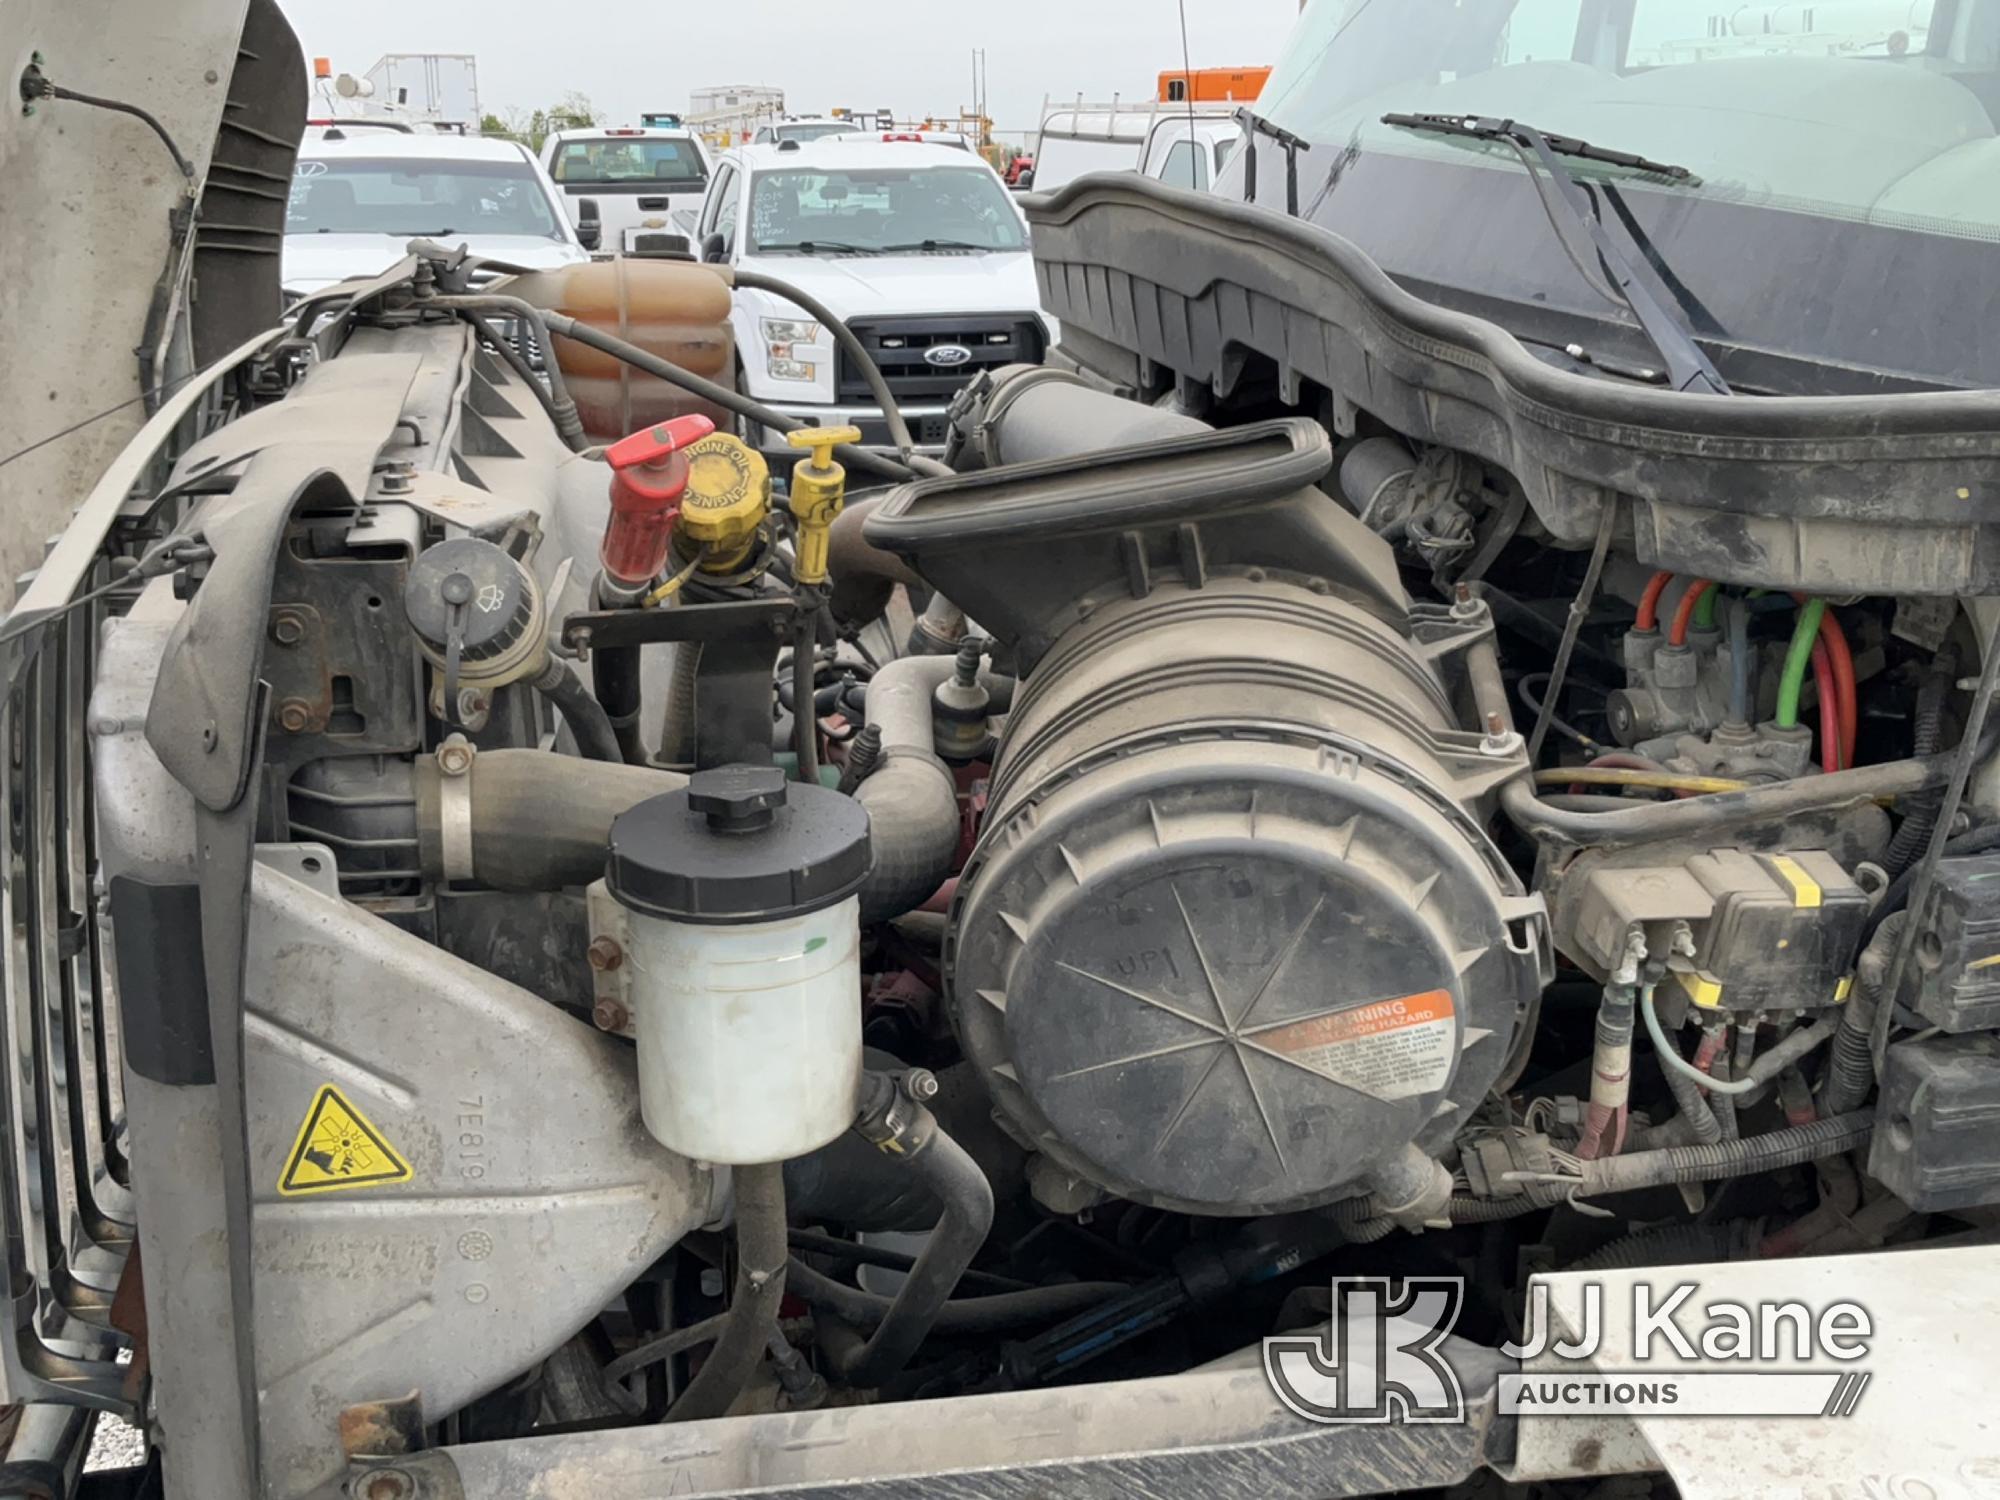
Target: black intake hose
(1034,412)
(912,797)
(762,1254)
(1675,1245)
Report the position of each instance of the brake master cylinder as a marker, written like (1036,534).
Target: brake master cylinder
(745,956)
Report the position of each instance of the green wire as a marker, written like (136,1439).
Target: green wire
(1798,657)
(1704,608)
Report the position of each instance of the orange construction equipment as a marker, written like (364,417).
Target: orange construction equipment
(1213,85)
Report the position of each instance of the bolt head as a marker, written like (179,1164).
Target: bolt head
(922,1085)
(293,715)
(605,955)
(610,1015)
(288,629)
(388,1484)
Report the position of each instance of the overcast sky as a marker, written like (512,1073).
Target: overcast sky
(914,55)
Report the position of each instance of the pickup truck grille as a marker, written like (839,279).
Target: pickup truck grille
(900,346)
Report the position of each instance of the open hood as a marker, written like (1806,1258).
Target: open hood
(123,274)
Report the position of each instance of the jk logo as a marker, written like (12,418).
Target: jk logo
(1378,1361)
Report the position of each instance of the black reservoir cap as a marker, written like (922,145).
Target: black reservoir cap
(739,844)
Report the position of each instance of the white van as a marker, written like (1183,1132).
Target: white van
(639,178)
(1176,143)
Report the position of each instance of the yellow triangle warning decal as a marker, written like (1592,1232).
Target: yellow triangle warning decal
(338,1148)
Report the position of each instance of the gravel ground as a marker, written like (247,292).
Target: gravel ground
(117,1444)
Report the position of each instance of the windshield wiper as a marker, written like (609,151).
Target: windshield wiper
(1688,368)
(813,247)
(936,245)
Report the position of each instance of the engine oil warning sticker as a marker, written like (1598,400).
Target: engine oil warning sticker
(1392,1049)
(338,1148)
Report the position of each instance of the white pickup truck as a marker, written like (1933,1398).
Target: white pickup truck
(917,247)
(640,180)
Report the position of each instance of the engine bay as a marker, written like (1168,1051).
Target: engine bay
(716,940)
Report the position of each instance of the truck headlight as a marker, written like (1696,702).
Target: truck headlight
(784,340)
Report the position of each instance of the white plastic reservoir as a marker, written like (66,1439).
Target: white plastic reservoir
(749,1036)
(745,962)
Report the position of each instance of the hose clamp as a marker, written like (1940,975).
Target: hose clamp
(454,761)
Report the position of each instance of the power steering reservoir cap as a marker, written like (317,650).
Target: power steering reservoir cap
(738,844)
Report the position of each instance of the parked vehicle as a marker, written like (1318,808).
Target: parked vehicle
(634,177)
(357,201)
(918,247)
(1185,143)
(802,128)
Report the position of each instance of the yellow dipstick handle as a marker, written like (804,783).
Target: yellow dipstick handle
(819,490)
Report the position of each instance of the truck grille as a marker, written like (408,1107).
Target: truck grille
(65,1193)
(900,346)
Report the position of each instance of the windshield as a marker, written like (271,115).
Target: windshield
(404,197)
(634,159)
(913,210)
(1880,111)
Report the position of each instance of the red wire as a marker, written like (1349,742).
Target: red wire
(1677,634)
(1649,602)
(1829,707)
(1842,660)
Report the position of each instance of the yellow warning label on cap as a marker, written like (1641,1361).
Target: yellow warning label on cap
(337,1148)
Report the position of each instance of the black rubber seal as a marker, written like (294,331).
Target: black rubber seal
(162,981)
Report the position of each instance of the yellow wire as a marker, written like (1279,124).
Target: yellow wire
(673,585)
(1666,781)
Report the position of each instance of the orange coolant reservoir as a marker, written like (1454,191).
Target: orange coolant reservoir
(677,310)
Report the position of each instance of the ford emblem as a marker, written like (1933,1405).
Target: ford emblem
(947,356)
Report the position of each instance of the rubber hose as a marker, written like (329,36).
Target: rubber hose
(524,839)
(1693,1104)
(1850,1072)
(677,725)
(864,576)
(588,723)
(1740,706)
(761,1261)
(1834,1136)
(912,797)
(518,363)
(899,429)
(1798,657)
(805,711)
(569,426)
(719,395)
(1913,835)
(967,1197)
(615,672)
(1700,816)
(1674,1245)
(964,1315)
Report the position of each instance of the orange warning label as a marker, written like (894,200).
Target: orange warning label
(1393,1049)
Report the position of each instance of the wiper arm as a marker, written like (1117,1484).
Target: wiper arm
(1688,368)
(1486,128)
(810,247)
(937,245)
